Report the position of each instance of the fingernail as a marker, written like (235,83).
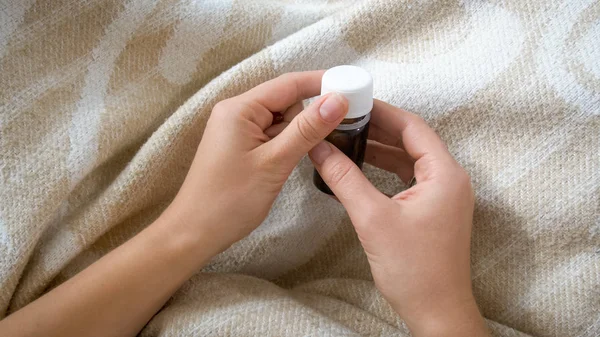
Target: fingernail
(320,152)
(333,108)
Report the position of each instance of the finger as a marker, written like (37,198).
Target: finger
(379,135)
(307,129)
(273,130)
(391,159)
(233,108)
(413,135)
(293,111)
(396,127)
(345,179)
(281,92)
(288,116)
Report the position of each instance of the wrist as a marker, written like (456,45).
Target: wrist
(456,318)
(190,240)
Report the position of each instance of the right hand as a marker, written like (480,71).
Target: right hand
(418,241)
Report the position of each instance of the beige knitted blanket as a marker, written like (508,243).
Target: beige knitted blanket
(102,105)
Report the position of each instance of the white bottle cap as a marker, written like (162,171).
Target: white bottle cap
(354,83)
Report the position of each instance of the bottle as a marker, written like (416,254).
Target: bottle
(356,85)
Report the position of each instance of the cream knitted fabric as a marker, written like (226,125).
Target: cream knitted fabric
(102,105)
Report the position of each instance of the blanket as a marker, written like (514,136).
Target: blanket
(103,104)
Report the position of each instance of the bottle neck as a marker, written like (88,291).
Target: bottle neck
(354,123)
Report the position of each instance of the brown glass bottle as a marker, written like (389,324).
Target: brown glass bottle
(351,138)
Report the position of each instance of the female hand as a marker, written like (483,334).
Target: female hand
(244,159)
(241,164)
(418,241)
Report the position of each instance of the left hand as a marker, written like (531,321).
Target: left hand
(244,159)
(240,166)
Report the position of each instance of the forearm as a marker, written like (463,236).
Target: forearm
(117,295)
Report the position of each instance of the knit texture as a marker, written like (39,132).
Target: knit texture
(103,103)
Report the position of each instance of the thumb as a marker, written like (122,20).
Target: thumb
(308,128)
(345,179)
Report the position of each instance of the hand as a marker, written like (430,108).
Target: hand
(417,242)
(244,159)
(241,164)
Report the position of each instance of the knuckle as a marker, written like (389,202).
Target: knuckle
(222,107)
(288,77)
(419,119)
(307,130)
(290,81)
(463,178)
(463,182)
(338,173)
(415,121)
